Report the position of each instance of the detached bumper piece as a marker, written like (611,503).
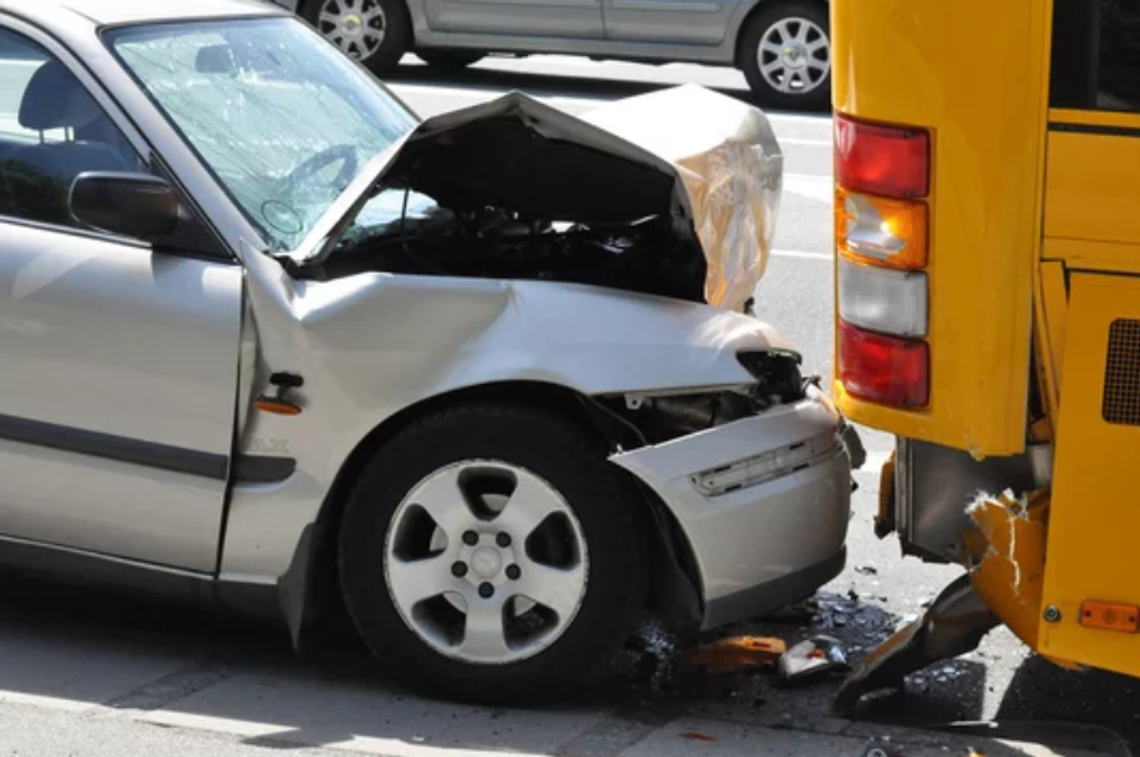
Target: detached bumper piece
(955,624)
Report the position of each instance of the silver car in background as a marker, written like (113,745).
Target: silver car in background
(782,46)
(267,339)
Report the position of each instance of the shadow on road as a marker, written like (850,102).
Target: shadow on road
(543,83)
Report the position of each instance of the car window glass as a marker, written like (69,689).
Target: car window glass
(283,120)
(51,130)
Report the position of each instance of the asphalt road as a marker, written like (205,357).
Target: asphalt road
(72,660)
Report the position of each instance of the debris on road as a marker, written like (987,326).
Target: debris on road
(698,736)
(812,657)
(650,655)
(738,653)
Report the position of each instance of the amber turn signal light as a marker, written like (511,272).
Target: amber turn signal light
(880,231)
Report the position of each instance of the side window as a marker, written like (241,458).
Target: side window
(1096,55)
(51,130)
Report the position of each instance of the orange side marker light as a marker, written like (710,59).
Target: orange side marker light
(1110,616)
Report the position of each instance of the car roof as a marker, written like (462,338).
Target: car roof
(107,12)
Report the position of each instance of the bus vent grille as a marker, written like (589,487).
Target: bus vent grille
(1122,375)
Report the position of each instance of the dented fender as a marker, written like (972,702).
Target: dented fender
(372,345)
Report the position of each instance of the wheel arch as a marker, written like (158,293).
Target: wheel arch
(309,593)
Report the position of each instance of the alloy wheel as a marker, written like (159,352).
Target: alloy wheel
(794,56)
(357,27)
(486,563)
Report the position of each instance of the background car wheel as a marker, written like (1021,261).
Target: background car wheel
(785,54)
(453,60)
(491,554)
(375,32)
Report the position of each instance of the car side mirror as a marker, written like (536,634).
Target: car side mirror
(131,204)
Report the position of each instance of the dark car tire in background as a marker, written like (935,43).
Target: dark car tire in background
(375,32)
(435,565)
(449,60)
(785,54)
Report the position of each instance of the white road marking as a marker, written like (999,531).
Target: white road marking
(812,186)
(806,142)
(801,255)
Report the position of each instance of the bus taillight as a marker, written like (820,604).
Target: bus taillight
(882,238)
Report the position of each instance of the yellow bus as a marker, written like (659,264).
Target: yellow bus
(987,222)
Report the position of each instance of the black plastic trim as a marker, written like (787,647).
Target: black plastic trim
(250,469)
(109,447)
(1107,131)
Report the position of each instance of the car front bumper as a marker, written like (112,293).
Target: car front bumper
(764,502)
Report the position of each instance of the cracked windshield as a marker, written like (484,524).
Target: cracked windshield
(282,120)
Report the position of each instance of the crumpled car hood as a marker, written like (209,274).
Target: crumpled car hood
(520,190)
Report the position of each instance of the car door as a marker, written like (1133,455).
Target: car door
(690,22)
(558,19)
(118,364)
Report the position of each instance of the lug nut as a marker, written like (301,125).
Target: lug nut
(513,572)
(503,540)
(459,569)
(470,538)
(486,590)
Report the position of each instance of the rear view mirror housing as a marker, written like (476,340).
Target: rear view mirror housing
(130,204)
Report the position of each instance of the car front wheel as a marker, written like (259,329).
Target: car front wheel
(785,54)
(375,32)
(491,554)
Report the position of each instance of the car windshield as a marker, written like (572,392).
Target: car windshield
(281,118)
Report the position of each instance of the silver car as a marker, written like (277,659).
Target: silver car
(267,339)
(782,46)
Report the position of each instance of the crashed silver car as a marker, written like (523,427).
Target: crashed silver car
(483,385)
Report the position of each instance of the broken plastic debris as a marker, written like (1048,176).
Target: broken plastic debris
(738,653)
(812,657)
(867,570)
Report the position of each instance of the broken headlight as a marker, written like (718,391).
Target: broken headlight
(777,373)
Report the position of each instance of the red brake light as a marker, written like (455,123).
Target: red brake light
(884,369)
(892,162)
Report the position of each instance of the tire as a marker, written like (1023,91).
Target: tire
(449,60)
(801,80)
(356,37)
(437,650)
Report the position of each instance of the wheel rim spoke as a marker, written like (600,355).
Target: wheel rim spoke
(485,633)
(443,499)
(558,589)
(413,581)
(819,44)
(528,506)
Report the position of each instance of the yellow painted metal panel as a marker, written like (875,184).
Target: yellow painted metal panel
(1053,310)
(1091,189)
(1094,518)
(1090,255)
(897,61)
(1094,118)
